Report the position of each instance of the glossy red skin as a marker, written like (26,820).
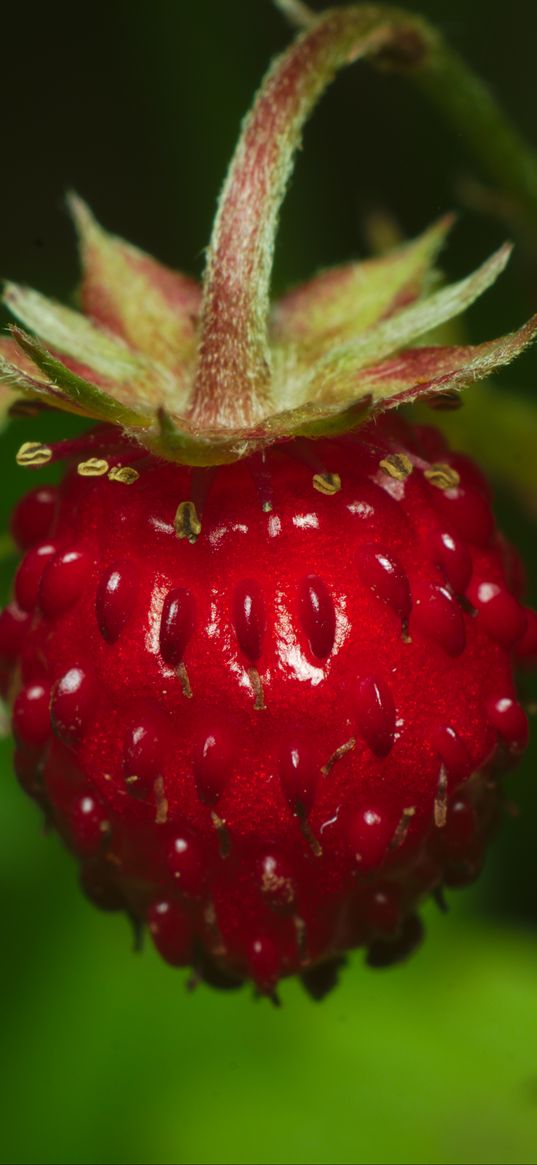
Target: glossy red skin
(265,864)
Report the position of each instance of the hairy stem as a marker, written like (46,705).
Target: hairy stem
(469,105)
(233,380)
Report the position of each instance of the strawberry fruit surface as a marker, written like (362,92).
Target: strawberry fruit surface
(272,742)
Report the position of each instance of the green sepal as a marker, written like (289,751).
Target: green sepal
(86,398)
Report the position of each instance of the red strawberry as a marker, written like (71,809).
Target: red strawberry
(262,741)
(267,700)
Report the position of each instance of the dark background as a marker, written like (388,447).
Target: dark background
(105,1058)
(137,106)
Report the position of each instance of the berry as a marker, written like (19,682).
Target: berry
(299,774)
(262,685)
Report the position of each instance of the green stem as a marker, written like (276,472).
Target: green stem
(492,139)
(233,380)
(467,104)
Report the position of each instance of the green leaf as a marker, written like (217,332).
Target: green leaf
(127,292)
(94,356)
(64,385)
(422,371)
(336,374)
(339,303)
(71,333)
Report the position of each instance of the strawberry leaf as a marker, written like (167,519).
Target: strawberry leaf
(71,333)
(84,397)
(339,303)
(125,291)
(90,352)
(336,374)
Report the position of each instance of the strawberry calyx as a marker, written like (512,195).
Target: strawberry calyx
(205,375)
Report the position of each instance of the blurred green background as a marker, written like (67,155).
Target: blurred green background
(105,1056)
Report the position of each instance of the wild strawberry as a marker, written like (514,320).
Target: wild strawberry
(262,686)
